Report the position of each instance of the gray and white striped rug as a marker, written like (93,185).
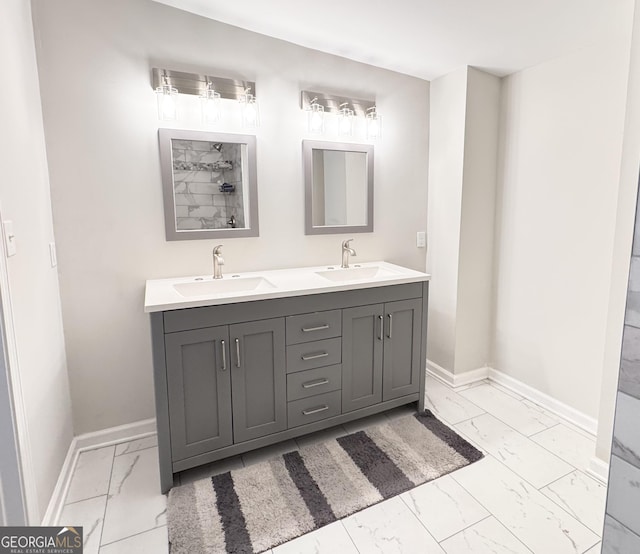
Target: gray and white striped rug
(257,507)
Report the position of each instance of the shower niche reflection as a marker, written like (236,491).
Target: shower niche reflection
(209,184)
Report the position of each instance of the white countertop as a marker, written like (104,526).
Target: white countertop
(163,294)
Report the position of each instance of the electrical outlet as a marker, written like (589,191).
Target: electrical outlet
(9,238)
(421,239)
(52,254)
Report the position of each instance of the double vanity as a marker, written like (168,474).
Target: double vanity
(244,361)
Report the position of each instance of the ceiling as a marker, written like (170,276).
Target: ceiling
(428,38)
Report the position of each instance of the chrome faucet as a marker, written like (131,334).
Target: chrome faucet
(218,262)
(345,253)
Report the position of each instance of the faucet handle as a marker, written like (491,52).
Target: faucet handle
(216,249)
(345,243)
(217,254)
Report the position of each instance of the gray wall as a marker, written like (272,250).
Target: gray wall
(94,59)
(35,342)
(622,521)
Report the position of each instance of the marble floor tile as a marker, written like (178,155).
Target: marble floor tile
(361,424)
(626,439)
(447,404)
(88,514)
(485,537)
(529,460)
(267,452)
(135,503)
(618,539)
(623,502)
(523,417)
(138,444)
(154,541)
(534,519)
(207,470)
(390,528)
(320,436)
(91,474)
(566,443)
(580,495)
(444,507)
(331,538)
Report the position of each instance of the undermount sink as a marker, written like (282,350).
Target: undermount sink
(222,286)
(340,275)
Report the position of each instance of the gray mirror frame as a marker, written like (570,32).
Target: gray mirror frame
(307,158)
(165,136)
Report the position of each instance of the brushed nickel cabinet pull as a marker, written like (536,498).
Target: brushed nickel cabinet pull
(380,320)
(315,410)
(390,326)
(311,384)
(224,356)
(237,352)
(307,357)
(318,328)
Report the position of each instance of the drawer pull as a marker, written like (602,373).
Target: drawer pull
(224,356)
(311,384)
(307,357)
(315,410)
(318,328)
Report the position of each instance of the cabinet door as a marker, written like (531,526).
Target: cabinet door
(361,357)
(402,348)
(198,377)
(258,377)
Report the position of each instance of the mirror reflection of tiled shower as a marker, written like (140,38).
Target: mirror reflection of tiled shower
(208,184)
(622,519)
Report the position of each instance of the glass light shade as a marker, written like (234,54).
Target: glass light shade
(210,106)
(345,122)
(250,111)
(316,119)
(374,125)
(167,97)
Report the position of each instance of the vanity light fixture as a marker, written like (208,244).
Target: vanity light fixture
(316,117)
(166,96)
(210,105)
(250,110)
(345,120)
(210,89)
(342,109)
(374,124)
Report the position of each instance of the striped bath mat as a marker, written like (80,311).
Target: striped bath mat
(257,507)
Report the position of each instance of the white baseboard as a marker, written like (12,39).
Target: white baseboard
(577,418)
(116,435)
(459,380)
(91,441)
(599,470)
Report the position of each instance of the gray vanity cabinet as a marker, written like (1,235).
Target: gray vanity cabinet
(234,377)
(258,378)
(402,342)
(380,352)
(199,388)
(362,356)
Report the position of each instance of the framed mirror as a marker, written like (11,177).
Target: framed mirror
(338,187)
(209,184)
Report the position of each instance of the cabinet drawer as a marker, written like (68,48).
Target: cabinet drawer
(318,353)
(315,326)
(314,381)
(315,408)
